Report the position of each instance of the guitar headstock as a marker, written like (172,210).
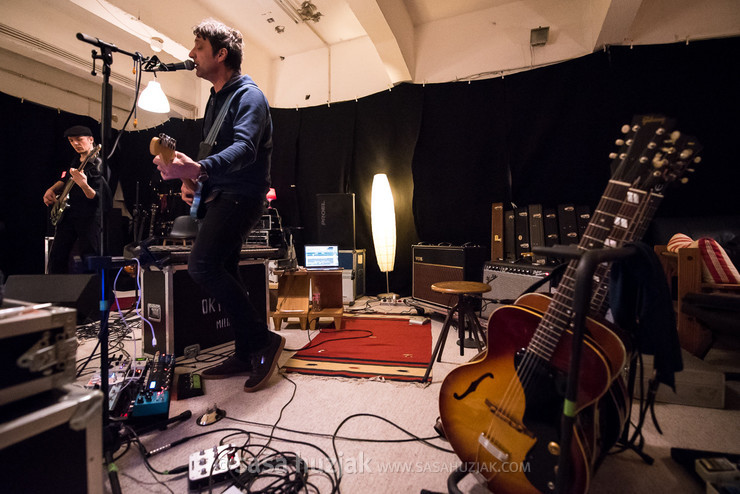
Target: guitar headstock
(164,146)
(639,144)
(673,159)
(93,152)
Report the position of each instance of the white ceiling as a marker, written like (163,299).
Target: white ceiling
(357,47)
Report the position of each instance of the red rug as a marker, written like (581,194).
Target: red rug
(367,348)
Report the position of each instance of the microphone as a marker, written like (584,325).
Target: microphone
(170,67)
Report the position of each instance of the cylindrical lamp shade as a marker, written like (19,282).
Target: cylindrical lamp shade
(383,218)
(153,99)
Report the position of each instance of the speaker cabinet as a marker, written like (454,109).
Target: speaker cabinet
(336,220)
(508,281)
(183,316)
(436,263)
(77,291)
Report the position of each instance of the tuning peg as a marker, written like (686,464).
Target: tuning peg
(652,145)
(643,159)
(686,153)
(697,159)
(619,142)
(626,128)
(675,135)
(612,156)
(622,156)
(635,128)
(690,170)
(628,142)
(684,180)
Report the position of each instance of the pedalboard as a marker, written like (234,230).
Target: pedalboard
(153,397)
(214,465)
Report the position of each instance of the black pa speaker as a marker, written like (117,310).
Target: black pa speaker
(77,291)
(336,220)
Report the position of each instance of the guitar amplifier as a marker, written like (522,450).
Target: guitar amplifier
(436,263)
(508,281)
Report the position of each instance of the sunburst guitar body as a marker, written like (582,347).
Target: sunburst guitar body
(502,413)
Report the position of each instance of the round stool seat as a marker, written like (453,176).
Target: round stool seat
(461,287)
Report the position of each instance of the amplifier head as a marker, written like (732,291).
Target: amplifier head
(508,281)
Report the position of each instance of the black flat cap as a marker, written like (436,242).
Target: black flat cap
(77,131)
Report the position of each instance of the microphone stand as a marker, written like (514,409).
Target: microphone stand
(111,432)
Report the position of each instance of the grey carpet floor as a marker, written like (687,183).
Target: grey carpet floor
(369,427)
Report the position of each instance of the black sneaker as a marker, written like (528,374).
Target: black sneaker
(264,363)
(232,366)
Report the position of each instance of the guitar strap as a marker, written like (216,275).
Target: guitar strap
(206,146)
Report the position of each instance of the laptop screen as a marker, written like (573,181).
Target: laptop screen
(322,256)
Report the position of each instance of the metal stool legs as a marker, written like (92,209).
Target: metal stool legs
(466,318)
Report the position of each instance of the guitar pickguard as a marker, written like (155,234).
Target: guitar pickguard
(544,391)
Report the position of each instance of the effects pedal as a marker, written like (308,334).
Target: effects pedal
(210,466)
(188,385)
(153,398)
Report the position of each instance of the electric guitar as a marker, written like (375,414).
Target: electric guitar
(502,414)
(60,205)
(675,157)
(164,146)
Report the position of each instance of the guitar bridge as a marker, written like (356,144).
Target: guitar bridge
(497,453)
(511,423)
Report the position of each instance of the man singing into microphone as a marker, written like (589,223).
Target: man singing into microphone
(235,177)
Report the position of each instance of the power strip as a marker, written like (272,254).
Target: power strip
(210,466)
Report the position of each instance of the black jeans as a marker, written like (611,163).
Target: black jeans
(84,230)
(214,265)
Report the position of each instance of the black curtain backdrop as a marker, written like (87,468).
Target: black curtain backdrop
(450,150)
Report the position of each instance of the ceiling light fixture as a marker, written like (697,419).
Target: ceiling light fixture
(307,11)
(153,99)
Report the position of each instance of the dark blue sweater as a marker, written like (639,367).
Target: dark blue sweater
(239,162)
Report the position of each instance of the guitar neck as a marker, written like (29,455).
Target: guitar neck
(634,217)
(560,312)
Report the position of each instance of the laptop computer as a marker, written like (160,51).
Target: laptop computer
(322,257)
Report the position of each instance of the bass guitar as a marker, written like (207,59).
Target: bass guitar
(502,414)
(164,147)
(60,205)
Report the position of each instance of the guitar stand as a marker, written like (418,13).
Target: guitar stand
(636,442)
(588,261)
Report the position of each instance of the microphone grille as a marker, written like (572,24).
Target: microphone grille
(189,64)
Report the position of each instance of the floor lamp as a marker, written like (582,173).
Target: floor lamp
(383,219)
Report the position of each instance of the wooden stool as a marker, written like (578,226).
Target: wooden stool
(466,318)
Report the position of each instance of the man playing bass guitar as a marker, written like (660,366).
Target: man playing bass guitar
(76,202)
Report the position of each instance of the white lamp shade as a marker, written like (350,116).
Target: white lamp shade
(153,99)
(383,219)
